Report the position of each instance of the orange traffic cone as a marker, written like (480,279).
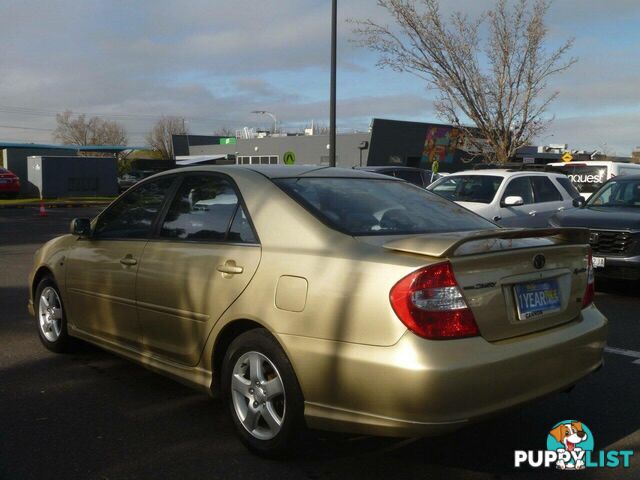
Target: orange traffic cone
(43,212)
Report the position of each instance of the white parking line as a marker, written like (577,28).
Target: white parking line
(626,353)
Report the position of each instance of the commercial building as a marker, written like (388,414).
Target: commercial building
(389,142)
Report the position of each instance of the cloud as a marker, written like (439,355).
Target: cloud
(215,62)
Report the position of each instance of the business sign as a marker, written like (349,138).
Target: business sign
(289,158)
(228,141)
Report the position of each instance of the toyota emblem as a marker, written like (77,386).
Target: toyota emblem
(539,261)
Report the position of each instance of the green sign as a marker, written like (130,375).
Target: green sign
(289,158)
(435,166)
(228,141)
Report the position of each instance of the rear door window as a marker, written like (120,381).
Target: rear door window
(544,190)
(568,186)
(202,210)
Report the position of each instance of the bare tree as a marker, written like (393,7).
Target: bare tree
(499,83)
(225,132)
(95,131)
(160,136)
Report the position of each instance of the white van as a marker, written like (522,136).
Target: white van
(589,175)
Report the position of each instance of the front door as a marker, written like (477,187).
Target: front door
(101,270)
(203,258)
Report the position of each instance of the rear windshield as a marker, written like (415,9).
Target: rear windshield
(586,178)
(360,206)
(468,188)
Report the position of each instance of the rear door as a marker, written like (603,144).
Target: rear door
(548,199)
(202,258)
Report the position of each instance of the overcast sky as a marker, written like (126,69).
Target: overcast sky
(214,61)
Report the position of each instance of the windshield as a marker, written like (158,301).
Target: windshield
(617,193)
(468,188)
(586,178)
(362,206)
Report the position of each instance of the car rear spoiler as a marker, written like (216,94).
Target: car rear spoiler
(446,244)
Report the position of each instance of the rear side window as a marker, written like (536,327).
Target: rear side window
(201,210)
(544,190)
(568,186)
(359,206)
(133,215)
(519,187)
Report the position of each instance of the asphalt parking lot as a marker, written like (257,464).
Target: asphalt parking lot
(92,415)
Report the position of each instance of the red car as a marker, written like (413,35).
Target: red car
(9,183)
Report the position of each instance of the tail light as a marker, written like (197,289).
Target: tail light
(429,302)
(590,291)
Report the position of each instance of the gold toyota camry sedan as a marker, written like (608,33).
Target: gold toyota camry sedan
(323,297)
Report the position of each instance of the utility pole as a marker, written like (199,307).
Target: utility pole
(332,101)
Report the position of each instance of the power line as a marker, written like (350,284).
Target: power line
(48,113)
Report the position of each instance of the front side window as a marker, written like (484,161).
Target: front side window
(544,190)
(468,188)
(622,193)
(133,215)
(201,210)
(519,187)
(363,206)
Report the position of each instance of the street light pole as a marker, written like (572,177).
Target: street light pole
(332,101)
(273,117)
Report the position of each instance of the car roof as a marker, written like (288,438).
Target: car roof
(286,171)
(635,176)
(501,172)
(375,168)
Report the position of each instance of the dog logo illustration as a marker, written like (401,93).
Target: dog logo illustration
(571,440)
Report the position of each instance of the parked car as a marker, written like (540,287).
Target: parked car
(613,215)
(511,198)
(129,179)
(589,176)
(332,298)
(9,183)
(416,176)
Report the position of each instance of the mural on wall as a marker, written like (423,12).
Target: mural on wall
(441,144)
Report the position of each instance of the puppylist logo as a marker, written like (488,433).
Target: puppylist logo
(570,446)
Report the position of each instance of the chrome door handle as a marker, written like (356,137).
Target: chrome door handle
(230,268)
(497,218)
(128,261)
(561,209)
(533,213)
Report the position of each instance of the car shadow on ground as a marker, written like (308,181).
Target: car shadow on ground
(105,417)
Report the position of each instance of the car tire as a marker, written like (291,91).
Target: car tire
(268,422)
(51,320)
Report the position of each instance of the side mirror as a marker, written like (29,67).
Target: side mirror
(579,202)
(81,227)
(513,201)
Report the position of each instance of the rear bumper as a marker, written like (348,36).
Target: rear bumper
(627,268)
(419,387)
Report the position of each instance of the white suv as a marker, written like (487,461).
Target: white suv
(511,198)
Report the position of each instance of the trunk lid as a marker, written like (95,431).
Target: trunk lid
(499,278)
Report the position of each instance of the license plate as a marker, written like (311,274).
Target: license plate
(598,262)
(2,180)
(537,299)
